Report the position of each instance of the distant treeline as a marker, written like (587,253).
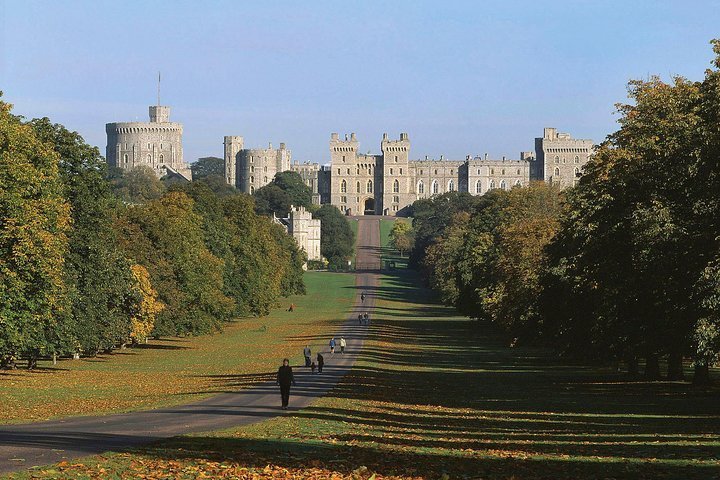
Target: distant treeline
(91,260)
(624,267)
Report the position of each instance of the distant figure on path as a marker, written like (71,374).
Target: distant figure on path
(367,318)
(312,367)
(321,362)
(291,308)
(308,354)
(343,344)
(362,297)
(285,379)
(360,319)
(332,345)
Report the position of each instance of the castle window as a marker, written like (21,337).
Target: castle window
(421,172)
(252,169)
(343,158)
(577,172)
(436,171)
(149,158)
(396,199)
(162,158)
(503,185)
(369,186)
(265,179)
(343,186)
(338,171)
(396,186)
(148,146)
(369,171)
(348,171)
(252,189)
(564,160)
(421,187)
(518,171)
(492,171)
(557,172)
(577,159)
(434,187)
(125,158)
(478,187)
(358,188)
(265,168)
(396,158)
(478,171)
(451,171)
(518,183)
(401,171)
(502,172)
(557,159)
(492,185)
(252,159)
(343,199)
(391,171)
(451,186)
(161,146)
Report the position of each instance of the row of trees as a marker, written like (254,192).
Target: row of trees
(623,267)
(90,261)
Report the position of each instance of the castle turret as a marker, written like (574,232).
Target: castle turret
(232,146)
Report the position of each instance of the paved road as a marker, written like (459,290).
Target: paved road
(24,446)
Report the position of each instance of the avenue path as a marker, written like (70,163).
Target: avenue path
(27,445)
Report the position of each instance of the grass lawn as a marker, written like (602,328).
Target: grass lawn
(176,370)
(354,227)
(434,395)
(387,253)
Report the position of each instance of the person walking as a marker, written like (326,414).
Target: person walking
(362,297)
(320,362)
(332,345)
(366,317)
(360,319)
(285,378)
(308,354)
(343,344)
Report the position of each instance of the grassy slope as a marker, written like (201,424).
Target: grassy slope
(354,227)
(434,393)
(176,370)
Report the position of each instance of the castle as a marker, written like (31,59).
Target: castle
(388,183)
(305,230)
(156,144)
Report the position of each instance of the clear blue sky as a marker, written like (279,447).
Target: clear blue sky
(460,77)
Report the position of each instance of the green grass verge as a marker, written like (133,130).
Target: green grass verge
(387,253)
(354,227)
(435,394)
(177,370)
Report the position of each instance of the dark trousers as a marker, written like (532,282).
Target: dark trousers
(307,361)
(320,365)
(285,394)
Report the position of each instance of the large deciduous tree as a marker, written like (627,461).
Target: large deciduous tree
(34,222)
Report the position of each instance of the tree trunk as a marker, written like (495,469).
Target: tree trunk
(675,367)
(633,367)
(702,374)
(32,363)
(8,362)
(652,367)
(54,358)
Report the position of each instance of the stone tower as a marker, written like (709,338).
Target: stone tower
(156,144)
(232,146)
(398,186)
(343,161)
(560,158)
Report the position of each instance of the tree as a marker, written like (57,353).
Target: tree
(97,272)
(208,167)
(137,185)
(401,236)
(143,319)
(336,237)
(35,220)
(293,184)
(271,199)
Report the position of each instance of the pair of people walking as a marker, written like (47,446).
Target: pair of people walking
(333,343)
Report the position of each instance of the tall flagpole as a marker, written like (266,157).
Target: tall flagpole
(158,89)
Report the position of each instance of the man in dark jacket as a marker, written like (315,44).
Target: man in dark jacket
(320,362)
(284,379)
